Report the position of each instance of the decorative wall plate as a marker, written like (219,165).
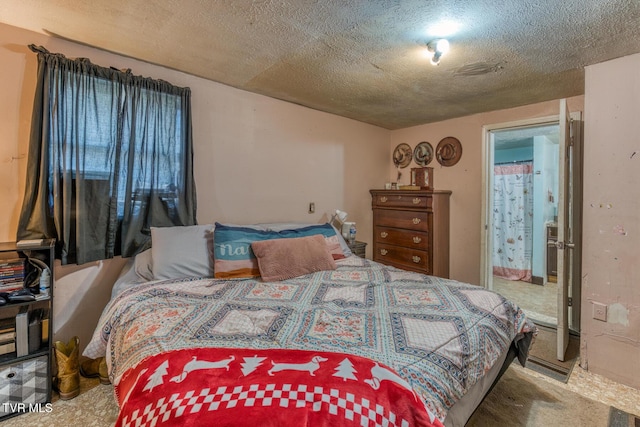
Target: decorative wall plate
(402,155)
(449,151)
(423,153)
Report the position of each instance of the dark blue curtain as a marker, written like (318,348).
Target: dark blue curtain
(110,155)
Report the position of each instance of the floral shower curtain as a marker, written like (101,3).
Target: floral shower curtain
(513,221)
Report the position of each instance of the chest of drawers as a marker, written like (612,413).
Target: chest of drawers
(411,230)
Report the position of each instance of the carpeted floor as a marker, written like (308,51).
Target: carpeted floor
(521,398)
(94,407)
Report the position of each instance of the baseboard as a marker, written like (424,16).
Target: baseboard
(537,280)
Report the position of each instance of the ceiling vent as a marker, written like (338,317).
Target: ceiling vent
(479,68)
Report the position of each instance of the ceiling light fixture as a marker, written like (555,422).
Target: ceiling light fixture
(437,48)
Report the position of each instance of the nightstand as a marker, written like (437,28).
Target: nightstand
(358,248)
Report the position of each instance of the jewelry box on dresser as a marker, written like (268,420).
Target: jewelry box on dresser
(411,230)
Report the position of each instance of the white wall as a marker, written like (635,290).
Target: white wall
(256,159)
(611,220)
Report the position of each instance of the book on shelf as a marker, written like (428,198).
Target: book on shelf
(16,262)
(11,282)
(11,286)
(7,324)
(9,333)
(22,331)
(9,289)
(45,328)
(12,278)
(13,268)
(8,347)
(7,336)
(10,258)
(8,270)
(25,243)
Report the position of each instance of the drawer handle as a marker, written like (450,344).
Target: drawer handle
(384,234)
(417,239)
(416,200)
(416,259)
(383,252)
(416,221)
(383,199)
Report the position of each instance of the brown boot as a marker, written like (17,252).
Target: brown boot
(92,368)
(67,380)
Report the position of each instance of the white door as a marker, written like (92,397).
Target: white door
(563,243)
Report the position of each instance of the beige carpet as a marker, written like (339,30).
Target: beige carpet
(519,399)
(94,407)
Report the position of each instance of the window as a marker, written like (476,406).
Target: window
(118,155)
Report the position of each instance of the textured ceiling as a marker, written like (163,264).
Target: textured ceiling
(361,59)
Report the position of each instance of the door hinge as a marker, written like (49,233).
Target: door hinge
(570,302)
(571,132)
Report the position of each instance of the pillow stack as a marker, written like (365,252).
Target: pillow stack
(271,251)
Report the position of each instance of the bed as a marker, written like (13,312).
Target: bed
(347,342)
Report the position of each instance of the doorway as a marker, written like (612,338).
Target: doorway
(531,217)
(524,214)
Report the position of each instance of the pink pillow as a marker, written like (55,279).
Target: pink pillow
(280,259)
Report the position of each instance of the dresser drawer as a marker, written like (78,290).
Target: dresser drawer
(418,221)
(396,255)
(402,201)
(400,237)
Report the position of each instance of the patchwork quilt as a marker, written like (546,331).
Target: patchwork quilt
(438,335)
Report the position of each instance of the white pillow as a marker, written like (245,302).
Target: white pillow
(143,265)
(182,251)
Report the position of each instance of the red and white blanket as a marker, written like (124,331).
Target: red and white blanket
(275,387)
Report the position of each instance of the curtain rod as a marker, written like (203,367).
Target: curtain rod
(514,162)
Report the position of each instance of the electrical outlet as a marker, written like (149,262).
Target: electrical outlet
(312,207)
(600,311)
